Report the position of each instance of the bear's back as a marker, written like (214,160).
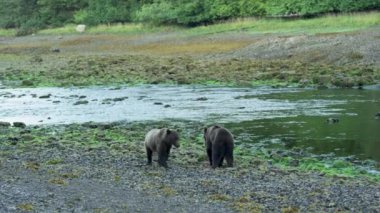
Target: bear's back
(152,138)
(221,135)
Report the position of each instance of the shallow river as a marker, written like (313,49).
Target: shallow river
(275,117)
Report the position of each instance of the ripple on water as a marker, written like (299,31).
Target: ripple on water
(218,104)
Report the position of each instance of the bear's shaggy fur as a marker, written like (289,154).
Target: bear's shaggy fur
(219,145)
(160,141)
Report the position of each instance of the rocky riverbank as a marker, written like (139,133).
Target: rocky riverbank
(101,168)
(344,59)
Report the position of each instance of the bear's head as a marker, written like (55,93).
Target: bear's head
(207,131)
(172,137)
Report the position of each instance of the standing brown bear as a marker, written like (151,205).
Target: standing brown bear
(160,141)
(219,145)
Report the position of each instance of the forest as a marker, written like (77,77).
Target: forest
(30,15)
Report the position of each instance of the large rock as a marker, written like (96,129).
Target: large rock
(4,124)
(80,28)
(19,124)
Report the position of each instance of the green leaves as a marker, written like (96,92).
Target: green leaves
(31,15)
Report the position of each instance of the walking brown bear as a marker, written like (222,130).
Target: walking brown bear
(160,141)
(219,145)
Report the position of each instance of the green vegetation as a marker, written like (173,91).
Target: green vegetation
(121,139)
(106,70)
(29,16)
(27,207)
(323,24)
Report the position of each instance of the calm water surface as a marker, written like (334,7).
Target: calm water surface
(271,117)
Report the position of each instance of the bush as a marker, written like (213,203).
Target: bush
(191,13)
(104,12)
(30,27)
(158,13)
(316,7)
(28,15)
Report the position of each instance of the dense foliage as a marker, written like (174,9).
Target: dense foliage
(29,15)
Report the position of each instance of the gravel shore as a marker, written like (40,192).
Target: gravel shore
(58,176)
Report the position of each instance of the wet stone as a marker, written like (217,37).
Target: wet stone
(120,99)
(27,83)
(201,99)
(45,96)
(141,97)
(158,103)
(332,120)
(167,106)
(4,124)
(19,124)
(55,50)
(81,102)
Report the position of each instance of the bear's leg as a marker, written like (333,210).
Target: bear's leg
(168,150)
(209,154)
(149,155)
(221,162)
(217,155)
(162,156)
(230,156)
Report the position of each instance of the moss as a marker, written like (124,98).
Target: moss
(32,165)
(70,175)
(290,210)
(28,207)
(58,181)
(168,191)
(220,197)
(245,204)
(101,210)
(117,178)
(54,161)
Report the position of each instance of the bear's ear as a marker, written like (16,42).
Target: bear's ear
(205,130)
(168,131)
(217,126)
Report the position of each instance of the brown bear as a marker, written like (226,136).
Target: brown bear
(219,145)
(160,141)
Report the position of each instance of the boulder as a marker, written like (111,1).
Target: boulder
(19,124)
(80,28)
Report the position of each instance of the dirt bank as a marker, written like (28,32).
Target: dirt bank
(237,58)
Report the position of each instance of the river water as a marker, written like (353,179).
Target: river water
(275,117)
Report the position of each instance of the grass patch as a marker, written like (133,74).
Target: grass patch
(7,32)
(129,28)
(324,24)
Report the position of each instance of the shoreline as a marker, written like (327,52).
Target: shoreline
(67,161)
